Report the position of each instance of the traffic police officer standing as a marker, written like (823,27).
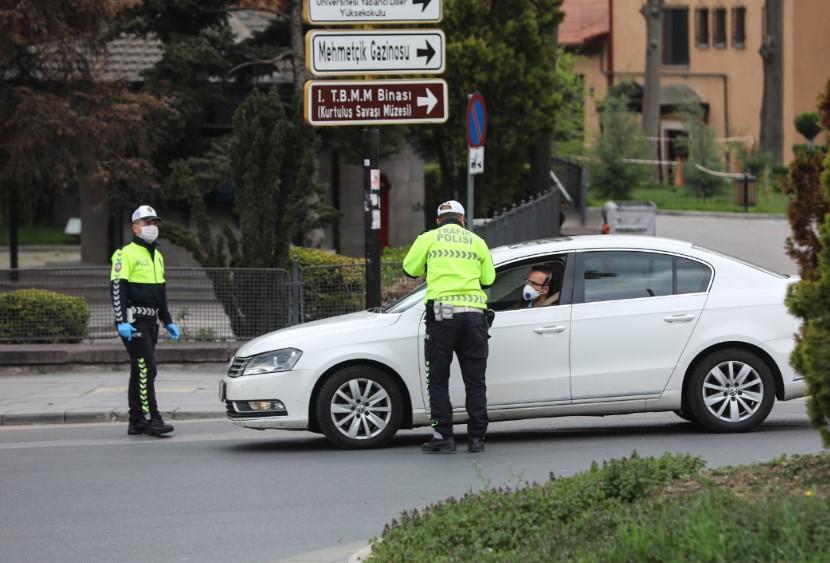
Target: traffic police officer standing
(458,265)
(139,299)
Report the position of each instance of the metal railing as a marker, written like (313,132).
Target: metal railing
(532,219)
(208,304)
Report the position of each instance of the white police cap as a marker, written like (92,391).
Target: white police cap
(144,212)
(450,206)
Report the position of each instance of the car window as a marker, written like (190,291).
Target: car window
(408,301)
(506,291)
(692,277)
(617,275)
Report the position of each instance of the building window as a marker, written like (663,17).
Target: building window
(676,36)
(702,27)
(720,28)
(739,27)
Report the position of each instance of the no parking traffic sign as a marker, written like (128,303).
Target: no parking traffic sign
(476,121)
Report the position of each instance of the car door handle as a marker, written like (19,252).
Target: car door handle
(549,329)
(682,318)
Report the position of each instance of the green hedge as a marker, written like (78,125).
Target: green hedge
(636,509)
(42,316)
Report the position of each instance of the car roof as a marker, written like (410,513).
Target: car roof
(587,242)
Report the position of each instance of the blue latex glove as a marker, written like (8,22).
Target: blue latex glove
(126,331)
(173,331)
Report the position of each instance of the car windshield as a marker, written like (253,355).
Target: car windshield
(408,301)
(744,262)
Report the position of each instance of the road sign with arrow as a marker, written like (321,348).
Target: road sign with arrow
(375,102)
(352,12)
(375,52)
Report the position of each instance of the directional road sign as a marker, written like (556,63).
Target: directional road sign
(476,121)
(375,102)
(375,52)
(351,12)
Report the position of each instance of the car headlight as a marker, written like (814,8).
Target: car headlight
(270,362)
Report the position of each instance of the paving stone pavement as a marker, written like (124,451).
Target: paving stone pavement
(68,396)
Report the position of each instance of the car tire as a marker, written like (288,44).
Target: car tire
(730,390)
(359,407)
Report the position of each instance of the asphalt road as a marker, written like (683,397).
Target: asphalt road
(214,492)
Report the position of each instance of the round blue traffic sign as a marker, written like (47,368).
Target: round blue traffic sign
(476,121)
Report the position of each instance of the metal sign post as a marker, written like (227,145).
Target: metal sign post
(476,126)
(371,214)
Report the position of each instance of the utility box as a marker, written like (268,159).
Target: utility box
(631,217)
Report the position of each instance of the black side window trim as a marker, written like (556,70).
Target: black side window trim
(579,273)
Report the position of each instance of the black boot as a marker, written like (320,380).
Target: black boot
(475,445)
(137,427)
(158,427)
(439,446)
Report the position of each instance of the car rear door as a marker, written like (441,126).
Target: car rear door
(633,315)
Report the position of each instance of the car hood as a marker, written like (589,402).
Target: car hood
(351,327)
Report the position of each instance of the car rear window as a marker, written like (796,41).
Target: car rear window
(692,277)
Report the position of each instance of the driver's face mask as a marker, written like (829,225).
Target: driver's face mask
(529,292)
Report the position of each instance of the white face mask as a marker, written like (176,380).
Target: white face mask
(149,233)
(529,293)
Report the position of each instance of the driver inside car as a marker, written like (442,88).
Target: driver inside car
(537,289)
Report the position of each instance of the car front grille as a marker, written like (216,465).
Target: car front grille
(237,366)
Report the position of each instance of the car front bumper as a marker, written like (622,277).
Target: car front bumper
(293,388)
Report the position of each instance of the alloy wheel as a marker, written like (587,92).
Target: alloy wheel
(360,409)
(732,391)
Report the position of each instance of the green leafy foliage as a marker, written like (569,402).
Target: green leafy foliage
(807,206)
(508,52)
(635,509)
(808,124)
(809,299)
(43,316)
(620,140)
(703,151)
(496,524)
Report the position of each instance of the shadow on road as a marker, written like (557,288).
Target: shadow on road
(305,442)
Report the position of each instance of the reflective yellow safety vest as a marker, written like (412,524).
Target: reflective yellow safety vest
(457,264)
(137,282)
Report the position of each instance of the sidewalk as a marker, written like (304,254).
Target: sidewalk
(110,352)
(66,396)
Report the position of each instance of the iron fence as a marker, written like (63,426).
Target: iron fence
(532,219)
(208,304)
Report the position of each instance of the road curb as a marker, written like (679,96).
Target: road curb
(89,416)
(46,355)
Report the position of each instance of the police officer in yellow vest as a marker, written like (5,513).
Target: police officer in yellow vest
(139,300)
(458,265)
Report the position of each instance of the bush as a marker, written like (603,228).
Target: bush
(496,523)
(808,124)
(619,140)
(45,316)
(333,284)
(631,510)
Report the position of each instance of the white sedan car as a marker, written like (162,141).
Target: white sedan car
(642,324)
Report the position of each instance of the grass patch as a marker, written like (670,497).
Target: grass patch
(682,199)
(37,234)
(635,509)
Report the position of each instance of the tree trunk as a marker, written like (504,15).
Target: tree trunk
(653,13)
(772,108)
(297,47)
(95,218)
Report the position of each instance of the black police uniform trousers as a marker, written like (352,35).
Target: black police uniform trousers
(466,335)
(141,393)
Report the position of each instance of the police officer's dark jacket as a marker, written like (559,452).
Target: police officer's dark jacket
(137,282)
